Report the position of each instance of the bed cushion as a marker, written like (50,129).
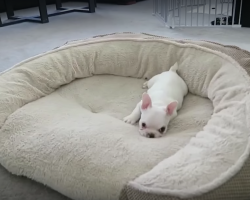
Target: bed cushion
(61,120)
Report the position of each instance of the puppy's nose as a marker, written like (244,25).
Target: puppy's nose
(151,135)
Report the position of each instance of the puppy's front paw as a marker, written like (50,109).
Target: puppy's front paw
(130,119)
(145,85)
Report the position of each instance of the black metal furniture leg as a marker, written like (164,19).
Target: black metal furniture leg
(43,11)
(58,4)
(92,4)
(9,8)
(1,22)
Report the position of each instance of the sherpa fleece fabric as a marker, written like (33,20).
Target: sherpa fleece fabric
(61,121)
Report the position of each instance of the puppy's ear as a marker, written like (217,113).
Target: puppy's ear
(146,101)
(171,107)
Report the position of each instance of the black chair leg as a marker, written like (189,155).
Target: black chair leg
(9,8)
(58,4)
(92,4)
(43,11)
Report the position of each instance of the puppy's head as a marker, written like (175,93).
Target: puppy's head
(154,120)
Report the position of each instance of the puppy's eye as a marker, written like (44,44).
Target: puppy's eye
(162,129)
(143,125)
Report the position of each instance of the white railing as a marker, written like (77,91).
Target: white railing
(198,13)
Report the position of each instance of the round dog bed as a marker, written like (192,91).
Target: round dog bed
(61,122)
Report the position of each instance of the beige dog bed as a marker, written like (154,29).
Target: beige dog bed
(61,122)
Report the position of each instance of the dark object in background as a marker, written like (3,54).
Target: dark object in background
(120,2)
(245,13)
(18,5)
(44,16)
(126,2)
(224,21)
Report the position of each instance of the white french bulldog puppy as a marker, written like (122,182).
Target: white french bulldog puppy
(160,104)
